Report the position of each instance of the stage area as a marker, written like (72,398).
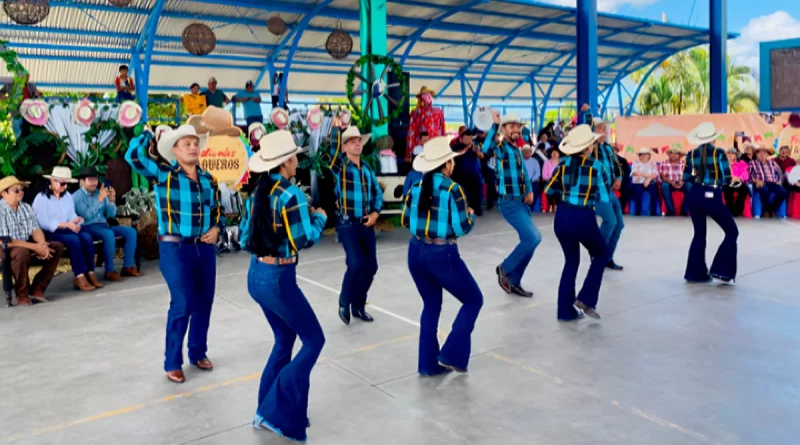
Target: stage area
(670,363)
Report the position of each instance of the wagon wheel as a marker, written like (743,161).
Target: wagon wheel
(363,83)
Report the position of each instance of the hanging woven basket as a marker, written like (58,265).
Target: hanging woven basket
(199,39)
(120,3)
(339,44)
(27,12)
(276,25)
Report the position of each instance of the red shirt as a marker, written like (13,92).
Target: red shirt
(424,118)
(786,163)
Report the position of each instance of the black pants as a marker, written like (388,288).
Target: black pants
(735,198)
(490,178)
(471,182)
(705,202)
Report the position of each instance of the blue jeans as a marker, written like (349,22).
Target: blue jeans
(518,214)
(772,196)
(638,191)
(108,235)
(80,248)
(574,227)
(283,392)
(536,193)
(433,269)
(362,264)
(613,223)
(706,201)
(190,271)
(666,193)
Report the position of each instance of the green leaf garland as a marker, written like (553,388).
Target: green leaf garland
(396,69)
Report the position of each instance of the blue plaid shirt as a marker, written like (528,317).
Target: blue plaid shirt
(357,190)
(579,181)
(512,177)
(612,169)
(185,207)
(447,217)
(715,173)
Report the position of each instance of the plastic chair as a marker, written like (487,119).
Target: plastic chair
(757,209)
(677,201)
(793,209)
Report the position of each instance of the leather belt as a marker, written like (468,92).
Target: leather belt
(439,241)
(180,239)
(275,261)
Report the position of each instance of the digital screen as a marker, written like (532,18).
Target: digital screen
(785,78)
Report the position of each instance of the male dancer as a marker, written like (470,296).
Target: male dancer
(611,211)
(515,199)
(359,199)
(189,222)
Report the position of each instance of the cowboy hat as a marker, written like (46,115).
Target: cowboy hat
(280,118)
(196,121)
(527,147)
(644,151)
(425,90)
(10,181)
(483,118)
(578,140)
(160,130)
(35,111)
(63,174)
(770,150)
(276,148)
(84,113)
(171,137)
(704,133)
(435,152)
(130,113)
(255,132)
(352,132)
(674,149)
(87,172)
(510,118)
(219,122)
(314,118)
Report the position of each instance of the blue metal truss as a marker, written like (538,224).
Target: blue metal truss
(546,97)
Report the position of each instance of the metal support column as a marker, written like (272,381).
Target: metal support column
(587,53)
(150,29)
(718,80)
(534,120)
(467,117)
(373,41)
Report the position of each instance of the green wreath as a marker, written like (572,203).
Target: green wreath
(377,87)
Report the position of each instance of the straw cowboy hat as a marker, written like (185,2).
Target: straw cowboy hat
(704,133)
(314,118)
(10,181)
(219,123)
(84,113)
(280,118)
(63,174)
(435,152)
(578,140)
(35,111)
(171,137)
(675,149)
(757,147)
(425,90)
(511,118)
(276,148)
(352,132)
(130,113)
(644,151)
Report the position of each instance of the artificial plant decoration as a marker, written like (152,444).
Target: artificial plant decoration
(374,87)
(9,107)
(138,201)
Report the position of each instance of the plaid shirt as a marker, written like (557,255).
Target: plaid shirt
(612,170)
(357,190)
(185,207)
(19,224)
(447,217)
(768,171)
(717,169)
(672,172)
(512,177)
(584,186)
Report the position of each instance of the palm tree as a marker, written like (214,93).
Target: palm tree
(657,97)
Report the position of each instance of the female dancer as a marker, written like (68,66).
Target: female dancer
(436,213)
(579,181)
(282,224)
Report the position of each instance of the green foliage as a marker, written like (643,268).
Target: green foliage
(92,138)
(9,106)
(138,201)
(373,61)
(37,139)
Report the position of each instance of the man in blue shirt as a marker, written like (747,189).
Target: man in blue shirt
(251,102)
(609,211)
(215,97)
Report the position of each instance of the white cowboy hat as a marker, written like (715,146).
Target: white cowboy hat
(598,121)
(314,118)
(280,118)
(526,147)
(483,118)
(578,140)
(160,131)
(511,118)
(276,148)
(130,113)
(35,111)
(703,134)
(171,137)
(435,152)
(63,174)
(84,113)
(644,151)
(352,132)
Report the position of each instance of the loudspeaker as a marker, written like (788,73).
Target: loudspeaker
(399,127)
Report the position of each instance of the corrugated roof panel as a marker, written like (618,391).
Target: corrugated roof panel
(472,19)
(638,39)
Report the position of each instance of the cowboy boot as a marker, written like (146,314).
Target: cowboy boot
(92,279)
(82,284)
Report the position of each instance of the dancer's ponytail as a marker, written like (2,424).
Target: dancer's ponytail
(262,239)
(426,193)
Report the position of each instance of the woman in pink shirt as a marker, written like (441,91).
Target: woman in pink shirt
(735,197)
(548,169)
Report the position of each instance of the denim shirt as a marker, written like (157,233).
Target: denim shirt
(91,210)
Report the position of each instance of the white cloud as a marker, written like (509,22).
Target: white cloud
(776,26)
(605,5)
(659,130)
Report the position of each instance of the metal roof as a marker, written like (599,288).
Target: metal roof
(499,46)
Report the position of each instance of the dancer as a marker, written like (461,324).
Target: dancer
(436,213)
(610,212)
(708,168)
(516,197)
(282,224)
(581,181)
(359,200)
(189,222)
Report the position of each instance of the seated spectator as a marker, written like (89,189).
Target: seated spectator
(785,162)
(95,207)
(548,170)
(55,212)
(251,103)
(735,197)
(125,85)
(544,145)
(671,172)
(748,151)
(534,171)
(645,178)
(424,137)
(626,189)
(18,223)
(194,101)
(767,180)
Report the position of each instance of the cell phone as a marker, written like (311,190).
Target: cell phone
(740,134)
(107,183)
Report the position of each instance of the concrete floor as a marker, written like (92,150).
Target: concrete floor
(670,363)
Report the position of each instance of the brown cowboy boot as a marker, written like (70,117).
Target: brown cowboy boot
(130,272)
(83,285)
(92,278)
(24,300)
(112,276)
